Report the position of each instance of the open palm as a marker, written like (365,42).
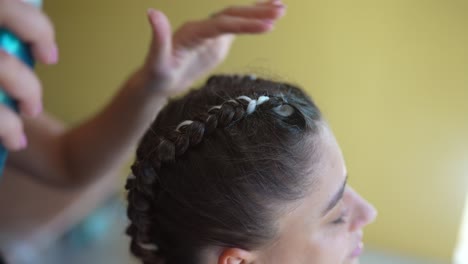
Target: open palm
(176,61)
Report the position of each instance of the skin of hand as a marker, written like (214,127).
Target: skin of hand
(16,79)
(105,141)
(176,61)
(90,155)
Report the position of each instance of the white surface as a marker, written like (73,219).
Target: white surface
(461,254)
(375,257)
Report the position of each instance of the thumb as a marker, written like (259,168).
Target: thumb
(161,43)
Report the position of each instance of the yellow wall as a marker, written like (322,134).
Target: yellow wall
(391,77)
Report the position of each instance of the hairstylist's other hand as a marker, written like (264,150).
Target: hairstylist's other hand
(176,61)
(16,79)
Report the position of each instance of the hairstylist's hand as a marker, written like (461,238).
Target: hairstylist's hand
(176,61)
(20,82)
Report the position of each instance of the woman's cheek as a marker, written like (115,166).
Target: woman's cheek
(333,247)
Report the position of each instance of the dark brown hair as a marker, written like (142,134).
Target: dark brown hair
(220,179)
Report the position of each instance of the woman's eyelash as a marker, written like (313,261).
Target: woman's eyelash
(339,221)
(342,219)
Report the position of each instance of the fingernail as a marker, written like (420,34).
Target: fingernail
(23,142)
(54,55)
(268,21)
(150,11)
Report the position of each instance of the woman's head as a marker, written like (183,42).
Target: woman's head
(242,169)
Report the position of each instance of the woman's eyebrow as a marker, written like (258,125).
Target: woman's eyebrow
(336,198)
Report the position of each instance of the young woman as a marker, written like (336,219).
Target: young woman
(243,170)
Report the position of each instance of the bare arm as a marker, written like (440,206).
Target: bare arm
(95,148)
(33,214)
(89,156)
(100,145)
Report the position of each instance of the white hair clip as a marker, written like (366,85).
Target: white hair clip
(233,101)
(252,77)
(150,247)
(284,110)
(214,107)
(131,176)
(184,123)
(253,103)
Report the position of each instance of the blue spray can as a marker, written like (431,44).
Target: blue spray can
(10,43)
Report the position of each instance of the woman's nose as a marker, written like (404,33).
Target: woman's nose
(364,213)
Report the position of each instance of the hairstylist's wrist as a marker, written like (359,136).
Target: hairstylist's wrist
(160,84)
(148,85)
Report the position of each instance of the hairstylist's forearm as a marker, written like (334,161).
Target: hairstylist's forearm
(99,146)
(106,141)
(174,62)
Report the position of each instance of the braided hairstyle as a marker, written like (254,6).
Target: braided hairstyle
(214,167)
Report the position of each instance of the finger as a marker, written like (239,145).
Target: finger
(31,26)
(161,45)
(11,130)
(271,12)
(20,83)
(269,2)
(224,24)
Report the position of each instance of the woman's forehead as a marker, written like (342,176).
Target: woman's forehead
(329,172)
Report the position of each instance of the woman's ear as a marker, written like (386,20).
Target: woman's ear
(235,256)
